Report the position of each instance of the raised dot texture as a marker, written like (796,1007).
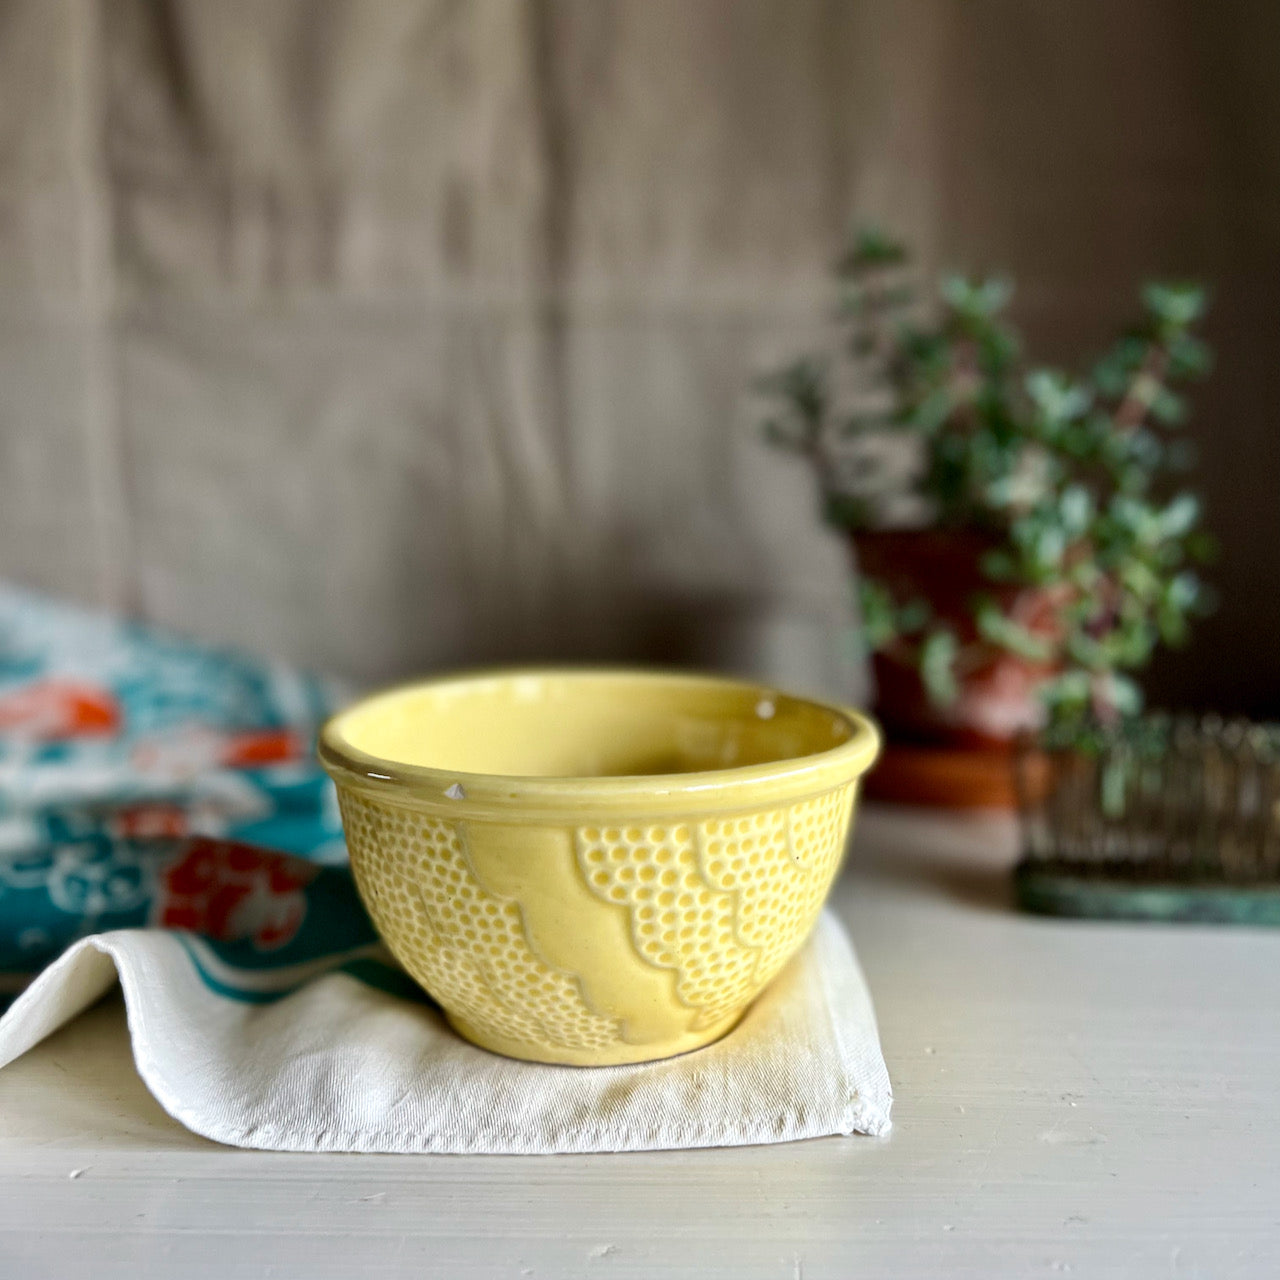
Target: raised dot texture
(463,944)
(722,903)
(738,895)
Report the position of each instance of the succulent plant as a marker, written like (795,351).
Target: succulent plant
(926,413)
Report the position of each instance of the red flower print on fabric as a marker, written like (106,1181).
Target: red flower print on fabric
(53,710)
(154,821)
(234,893)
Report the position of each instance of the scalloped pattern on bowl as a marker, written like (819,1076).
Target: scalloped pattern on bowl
(718,902)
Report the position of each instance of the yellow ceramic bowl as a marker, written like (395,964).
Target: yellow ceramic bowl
(595,866)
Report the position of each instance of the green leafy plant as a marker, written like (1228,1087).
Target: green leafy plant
(926,413)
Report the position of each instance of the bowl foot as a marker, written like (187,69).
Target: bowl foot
(617,1054)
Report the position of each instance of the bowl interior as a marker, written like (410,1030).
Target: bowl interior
(589,725)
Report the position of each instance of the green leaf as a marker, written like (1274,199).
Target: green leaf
(1176,305)
(995,625)
(999,565)
(1136,518)
(1122,693)
(1070,689)
(1189,357)
(1139,448)
(1167,407)
(1182,595)
(922,346)
(871,247)
(976,299)
(1050,547)
(1075,506)
(997,350)
(1056,397)
(937,666)
(1003,492)
(1130,645)
(846,511)
(1114,785)
(1173,627)
(1183,591)
(1087,652)
(1140,580)
(914,616)
(932,412)
(803,385)
(1112,373)
(875,604)
(1180,516)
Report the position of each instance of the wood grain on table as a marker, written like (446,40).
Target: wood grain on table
(1072,1098)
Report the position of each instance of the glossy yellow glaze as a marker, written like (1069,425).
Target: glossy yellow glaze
(595,867)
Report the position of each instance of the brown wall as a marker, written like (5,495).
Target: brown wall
(386,335)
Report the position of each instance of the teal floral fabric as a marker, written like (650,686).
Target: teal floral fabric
(147,781)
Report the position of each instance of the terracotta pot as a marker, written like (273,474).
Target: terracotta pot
(997,699)
(959,777)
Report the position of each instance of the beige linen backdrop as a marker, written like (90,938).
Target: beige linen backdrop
(388,334)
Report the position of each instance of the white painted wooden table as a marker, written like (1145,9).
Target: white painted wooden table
(1089,1099)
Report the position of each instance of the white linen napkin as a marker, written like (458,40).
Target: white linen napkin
(344,1055)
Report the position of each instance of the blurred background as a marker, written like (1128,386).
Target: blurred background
(387,335)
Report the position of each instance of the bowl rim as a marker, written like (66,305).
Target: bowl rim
(743,786)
